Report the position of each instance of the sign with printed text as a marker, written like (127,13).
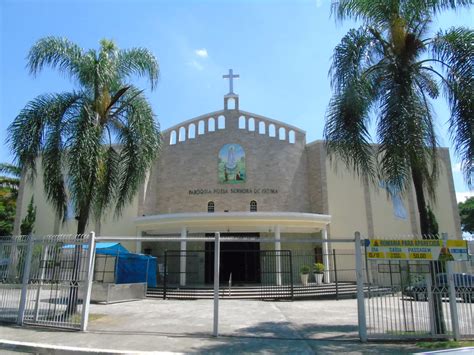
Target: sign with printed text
(417,249)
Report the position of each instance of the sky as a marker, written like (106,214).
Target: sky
(281,49)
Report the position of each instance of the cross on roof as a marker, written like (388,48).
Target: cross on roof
(231,77)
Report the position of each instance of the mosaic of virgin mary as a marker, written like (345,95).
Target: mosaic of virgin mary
(231,164)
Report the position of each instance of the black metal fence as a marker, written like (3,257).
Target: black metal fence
(242,272)
(255,274)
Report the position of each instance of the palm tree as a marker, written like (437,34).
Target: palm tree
(386,72)
(389,70)
(96,142)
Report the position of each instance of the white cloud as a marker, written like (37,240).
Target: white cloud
(457,168)
(201,52)
(196,65)
(462,196)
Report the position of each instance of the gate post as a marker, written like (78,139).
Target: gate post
(360,291)
(88,281)
(452,300)
(25,279)
(217,252)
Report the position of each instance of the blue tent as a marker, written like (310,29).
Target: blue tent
(130,267)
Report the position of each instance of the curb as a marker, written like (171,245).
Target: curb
(40,348)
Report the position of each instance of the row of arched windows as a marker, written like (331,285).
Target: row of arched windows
(251,125)
(182,135)
(211,206)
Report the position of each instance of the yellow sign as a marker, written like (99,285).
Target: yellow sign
(421,256)
(397,255)
(432,249)
(376,255)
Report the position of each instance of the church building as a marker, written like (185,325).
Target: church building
(250,176)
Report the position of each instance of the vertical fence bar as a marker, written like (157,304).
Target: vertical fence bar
(88,284)
(217,252)
(429,294)
(40,281)
(165,274)
(291,275)
(335,273)
(360,291)
(325,248)
(25,279)
(452,300)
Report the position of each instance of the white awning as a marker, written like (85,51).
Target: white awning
(199,222)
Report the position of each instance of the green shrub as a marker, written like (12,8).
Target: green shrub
(305,269)
(318,268)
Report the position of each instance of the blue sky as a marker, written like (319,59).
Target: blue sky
(281,49)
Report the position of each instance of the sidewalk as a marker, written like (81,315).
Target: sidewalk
(304,327)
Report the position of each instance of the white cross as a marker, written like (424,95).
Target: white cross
(231,77)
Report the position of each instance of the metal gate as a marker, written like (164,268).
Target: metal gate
(416,299)
(269,277)
(46,280)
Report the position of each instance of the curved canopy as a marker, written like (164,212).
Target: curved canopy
(233,222)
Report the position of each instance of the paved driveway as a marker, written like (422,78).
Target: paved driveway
(245,326)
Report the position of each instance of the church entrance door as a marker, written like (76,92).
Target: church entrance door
(241,259)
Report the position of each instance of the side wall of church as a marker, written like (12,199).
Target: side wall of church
(357,205)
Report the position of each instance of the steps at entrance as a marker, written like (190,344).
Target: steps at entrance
(344,290)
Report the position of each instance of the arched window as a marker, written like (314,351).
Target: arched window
(173,138)
(211,125)
(192,131)
(221,122)
(261,127)
(291,137)
(210,206)
(182,134)
(282,133)
(242,122)
(253,206)
(252,124)
(231,104)
(271,130)
(201,127)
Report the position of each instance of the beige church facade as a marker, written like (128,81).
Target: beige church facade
(246,175)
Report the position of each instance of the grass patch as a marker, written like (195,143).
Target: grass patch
(445,344)
(76,318)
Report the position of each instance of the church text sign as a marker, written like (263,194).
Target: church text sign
(223,191)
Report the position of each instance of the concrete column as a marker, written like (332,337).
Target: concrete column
(138,243)
(182,259)
(278,255)
(324,233)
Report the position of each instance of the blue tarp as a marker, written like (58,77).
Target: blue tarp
(131,268)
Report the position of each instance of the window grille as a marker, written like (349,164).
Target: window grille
(210,206)
(253,206)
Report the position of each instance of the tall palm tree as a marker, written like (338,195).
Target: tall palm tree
(388,71)
(96,142)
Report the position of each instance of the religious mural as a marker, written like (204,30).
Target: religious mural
(231,164)
(399,210)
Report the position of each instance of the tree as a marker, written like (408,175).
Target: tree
(7,210)
(389,70)
(9,182)
(10,176)
(28,223)
(95,143)
(466,212)
(386,72)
